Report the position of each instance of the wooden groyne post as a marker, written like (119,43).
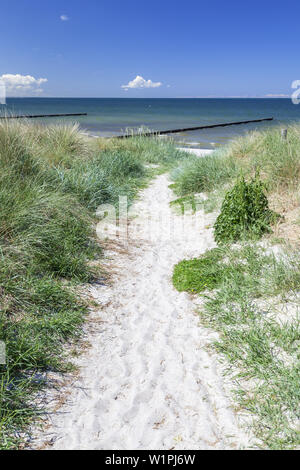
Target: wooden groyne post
(187,129)
(33,116)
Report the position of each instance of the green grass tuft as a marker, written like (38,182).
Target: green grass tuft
(197,275)
(196,174)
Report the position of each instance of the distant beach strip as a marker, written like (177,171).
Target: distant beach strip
(110,117)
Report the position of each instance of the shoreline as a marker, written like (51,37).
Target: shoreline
(188,147)
(199,152)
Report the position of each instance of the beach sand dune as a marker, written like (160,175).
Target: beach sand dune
(148,380)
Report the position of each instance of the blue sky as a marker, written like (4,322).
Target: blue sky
(185,49)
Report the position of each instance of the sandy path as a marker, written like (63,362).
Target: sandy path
(148,382)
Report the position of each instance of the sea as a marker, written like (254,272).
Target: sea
(107,117)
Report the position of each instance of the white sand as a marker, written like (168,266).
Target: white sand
(148,382)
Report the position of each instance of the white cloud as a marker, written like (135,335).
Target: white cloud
(22,85)
(140,82)
(64,17)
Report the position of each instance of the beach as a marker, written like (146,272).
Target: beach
(168,317)
(147,380)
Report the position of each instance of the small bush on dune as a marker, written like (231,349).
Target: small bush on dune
(244,213)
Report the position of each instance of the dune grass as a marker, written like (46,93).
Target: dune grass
(277,160)
(52,180)
(250,295)
(197,175)
(259,333)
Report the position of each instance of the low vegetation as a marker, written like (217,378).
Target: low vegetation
(197,175)
(277,161)
(52,180)
(199,274)
(251,294)
(258,333)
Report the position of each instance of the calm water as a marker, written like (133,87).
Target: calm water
(112,116)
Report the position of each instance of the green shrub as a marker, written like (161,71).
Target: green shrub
(245,212)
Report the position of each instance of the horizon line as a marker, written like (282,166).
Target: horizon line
(156,97)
